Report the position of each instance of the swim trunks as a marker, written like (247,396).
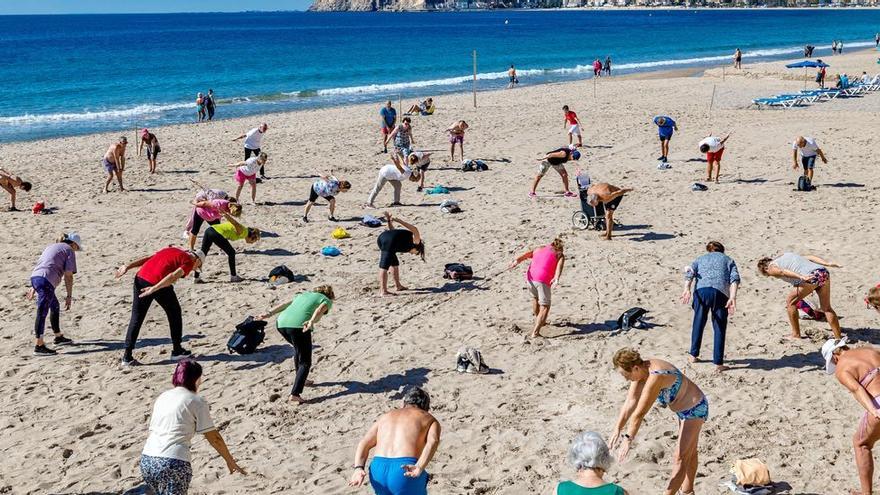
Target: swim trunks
(386,477)
(545,166)
(714,157)
(614,203)
(456,138)
(108,167)
(241,177)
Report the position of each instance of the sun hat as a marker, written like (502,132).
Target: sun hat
(828,349)
(74,237)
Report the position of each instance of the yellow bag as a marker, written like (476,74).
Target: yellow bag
(751,472)
(340,233)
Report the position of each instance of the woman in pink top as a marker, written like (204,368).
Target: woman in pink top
(544,272)
(209,207)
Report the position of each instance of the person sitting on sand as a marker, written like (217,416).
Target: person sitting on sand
(10,183)
(253,145)
(404,442)
(857,370)
(714,280)
(149,140)
(610,196)
(571,122)
(394,174)
(544,272)
(589,455)
(713,147)
(114,162)
(666,127)
(57,262)
(556,159)
(806,274)
(424,108)
(246,171)
(403,140)
(655,379)
(456,135)
(394,241)
(178,415)
(326,187)
(222,234)
(295,324)
(420,161)
(809,149)
(155,281)
(209,206)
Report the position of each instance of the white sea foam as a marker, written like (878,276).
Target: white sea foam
(142,111)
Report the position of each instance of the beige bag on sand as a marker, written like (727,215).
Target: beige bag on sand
(751,472)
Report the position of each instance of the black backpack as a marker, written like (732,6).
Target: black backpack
(248,335)
(804,184)
(458,271)
(631,318)
(279,273)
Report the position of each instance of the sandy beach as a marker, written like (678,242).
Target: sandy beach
(76,423)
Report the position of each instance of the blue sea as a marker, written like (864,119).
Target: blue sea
(74,74)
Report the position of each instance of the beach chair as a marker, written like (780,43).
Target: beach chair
(782,101)
(821,94)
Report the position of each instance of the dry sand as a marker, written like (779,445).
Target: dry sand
(76,423)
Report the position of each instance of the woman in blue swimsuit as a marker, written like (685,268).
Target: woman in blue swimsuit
(655,379)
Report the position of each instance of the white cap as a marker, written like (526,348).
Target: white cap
(74,237)
(828,349)
(200,254)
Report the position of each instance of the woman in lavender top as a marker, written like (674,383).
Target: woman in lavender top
(714,279)
(57,262)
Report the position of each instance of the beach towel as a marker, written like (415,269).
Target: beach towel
(330,251)
(438,189)
(470,360)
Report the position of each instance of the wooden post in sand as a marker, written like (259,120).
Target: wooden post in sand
(475,79)
(594,87)
(136,140)
(723,71)
(712,101)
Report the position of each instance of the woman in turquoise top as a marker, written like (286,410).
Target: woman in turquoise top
(589,455)
(294,323)
(655,379)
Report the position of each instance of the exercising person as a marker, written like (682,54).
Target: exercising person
(10,183)
(57,262)
(326,187)
(114,162)
(391,242)
(556,159)
(149,140)
(221,235)
(610,196)
(209,206)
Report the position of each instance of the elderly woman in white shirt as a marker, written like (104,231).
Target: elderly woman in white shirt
(394,174)
(178,415)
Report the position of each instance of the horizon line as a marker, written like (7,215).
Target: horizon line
(155,13)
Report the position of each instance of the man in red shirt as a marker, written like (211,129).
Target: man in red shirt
(155,281)
(573,124)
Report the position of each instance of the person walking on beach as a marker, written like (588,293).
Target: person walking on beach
(57,262)
(713,147)
(597,67)
(404,442)
(806,274)
(114,163)
(857,370)
(713,278)
(246,171)
(209,206)
(656,379)
(590,456)
(387,122)
(820,75)
(607,68)
(666,127)
(511,75)
(200,107)
(557,160)
(394,241)
(253,145)
(394,174)
(543,274)
(737,59)
(456,135)
(178,415)
(610,197)
(154,281)
(326,187)
(296,321)
(573,125)
(210,104)
(222,235)
(809,149)
(149,140)
(10,183)
(403,140)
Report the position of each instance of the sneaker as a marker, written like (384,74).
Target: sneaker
(396,203)
(235,279)
(332,218)
(569,194)
(180,354)
(259,180)
(533,195)
(198,280)
(62,340)
(42,350)
(419,189)
(126,362)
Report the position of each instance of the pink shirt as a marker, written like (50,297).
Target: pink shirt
(218,206)
(543,266)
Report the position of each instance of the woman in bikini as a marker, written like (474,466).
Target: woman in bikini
(857,370)
(806,274)
(655,379)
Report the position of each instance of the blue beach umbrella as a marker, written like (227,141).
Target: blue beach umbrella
(805,64)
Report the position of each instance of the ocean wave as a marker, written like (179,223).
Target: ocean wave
(141,111)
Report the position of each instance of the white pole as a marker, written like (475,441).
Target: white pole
(475,79)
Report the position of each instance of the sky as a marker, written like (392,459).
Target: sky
(131,6)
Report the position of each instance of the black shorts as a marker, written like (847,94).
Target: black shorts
(665,138)
(808,162)
(197,222)
(248,152)
(387,259)
(313,196)
(153,152)
(613,204)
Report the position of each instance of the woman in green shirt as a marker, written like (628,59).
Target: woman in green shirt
(294,323)
(221,235)
(589,455)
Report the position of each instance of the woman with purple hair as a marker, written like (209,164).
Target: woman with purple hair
(178,415)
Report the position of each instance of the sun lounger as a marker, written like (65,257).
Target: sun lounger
(783,101)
